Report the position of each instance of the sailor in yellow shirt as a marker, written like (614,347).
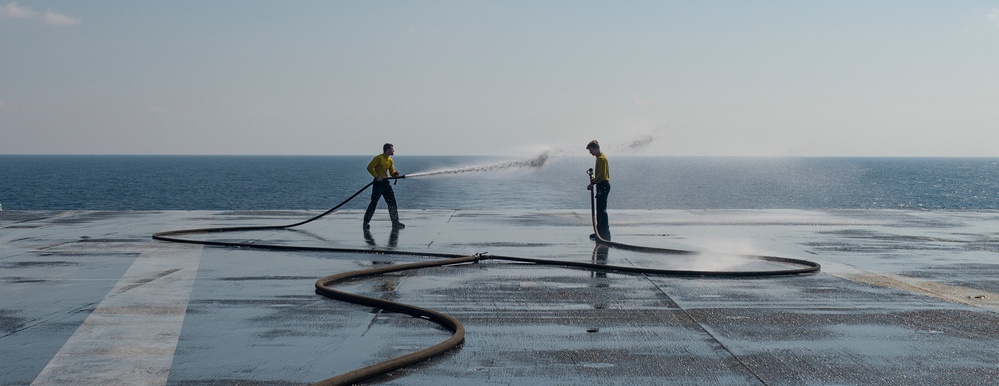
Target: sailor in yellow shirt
(600,181)
(381,167)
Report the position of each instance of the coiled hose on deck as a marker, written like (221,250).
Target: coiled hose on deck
(324,286)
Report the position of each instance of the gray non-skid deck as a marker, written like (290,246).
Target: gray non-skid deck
(904,297)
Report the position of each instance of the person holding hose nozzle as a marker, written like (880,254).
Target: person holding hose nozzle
(381,167)
(601,182)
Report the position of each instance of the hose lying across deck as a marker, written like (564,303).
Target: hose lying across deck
(325,285)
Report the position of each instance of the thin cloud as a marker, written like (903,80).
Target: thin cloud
(52,18)
(994,16)
(12,10)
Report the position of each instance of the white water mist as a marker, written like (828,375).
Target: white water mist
(533,162)
(723,255)
(538,160)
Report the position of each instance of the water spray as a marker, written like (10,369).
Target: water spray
(536,161)
(533,162)
(636,144)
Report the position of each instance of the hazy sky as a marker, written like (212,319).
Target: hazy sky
(767,78)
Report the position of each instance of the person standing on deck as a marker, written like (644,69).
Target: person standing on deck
(601,182)
(381,168)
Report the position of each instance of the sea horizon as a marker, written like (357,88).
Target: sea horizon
(543,181)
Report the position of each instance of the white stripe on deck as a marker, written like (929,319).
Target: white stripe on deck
(130,338)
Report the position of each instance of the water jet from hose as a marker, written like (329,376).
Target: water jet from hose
(635,144)
(533,162)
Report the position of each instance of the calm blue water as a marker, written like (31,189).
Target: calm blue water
(320,182)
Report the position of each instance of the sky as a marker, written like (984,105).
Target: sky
(468,77)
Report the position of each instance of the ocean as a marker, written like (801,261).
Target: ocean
(133,182)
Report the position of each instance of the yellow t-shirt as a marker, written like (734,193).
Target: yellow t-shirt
(382,166)
(601,172)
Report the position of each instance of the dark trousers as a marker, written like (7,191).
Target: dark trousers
(603,224)
(381,189)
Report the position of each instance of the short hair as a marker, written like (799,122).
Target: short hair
(386,146)
(593,144)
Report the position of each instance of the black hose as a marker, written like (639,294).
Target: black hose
(324,285)
(446,321)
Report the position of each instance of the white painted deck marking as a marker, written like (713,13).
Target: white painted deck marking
(130,338)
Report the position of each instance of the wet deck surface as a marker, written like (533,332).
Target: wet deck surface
(904,297)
